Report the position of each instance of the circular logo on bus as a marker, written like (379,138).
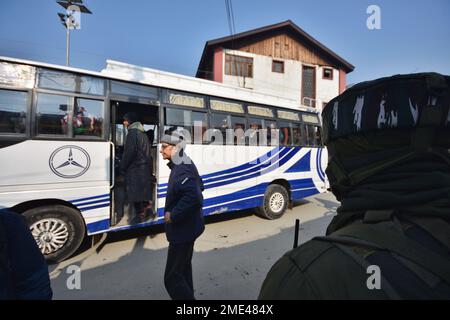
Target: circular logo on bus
(69,161)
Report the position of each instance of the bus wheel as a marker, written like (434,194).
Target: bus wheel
(276,200)
(57,229)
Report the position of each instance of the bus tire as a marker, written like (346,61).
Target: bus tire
(57,229)
(276,200)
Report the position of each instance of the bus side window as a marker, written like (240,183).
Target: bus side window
(273,133)
(297,134)
(13,110)
(238,125)
(88,117)
(285,134)
(312,132)
(199,126)
(318,137)
(220,123)
(254,136)
(52,114)
(179,121)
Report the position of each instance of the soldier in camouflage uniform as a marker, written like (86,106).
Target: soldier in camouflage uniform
(389,165)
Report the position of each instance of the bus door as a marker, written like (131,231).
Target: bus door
(122,212)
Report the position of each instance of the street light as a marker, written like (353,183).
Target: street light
(71,19)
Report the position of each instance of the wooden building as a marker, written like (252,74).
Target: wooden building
(281,60)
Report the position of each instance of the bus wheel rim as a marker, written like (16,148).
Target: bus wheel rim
(50,234)
(276,202)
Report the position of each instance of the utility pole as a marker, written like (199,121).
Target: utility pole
(67,46)
(71,20)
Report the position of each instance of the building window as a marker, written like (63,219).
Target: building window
(238,66)
(327,74)
(278,66)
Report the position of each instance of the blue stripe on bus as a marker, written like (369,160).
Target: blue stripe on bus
(301,183)
(319,165)
(289,154)
(248,192)
(300,194)
(95,207)
(257,192)
(90,198)
(90,202)
(252,169)
(247,165)
(238,205)
(302,165)
(271,168)
(102,225)
(239,199)
(237,168)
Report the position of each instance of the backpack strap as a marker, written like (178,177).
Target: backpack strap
(343,244)
(437,228)
(399,245)
(309,252)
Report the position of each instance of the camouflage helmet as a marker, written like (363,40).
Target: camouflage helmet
(402,116)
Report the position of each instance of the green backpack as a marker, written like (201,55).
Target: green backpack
(336,266)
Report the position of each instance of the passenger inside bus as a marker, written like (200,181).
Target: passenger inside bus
(125,212)
(284,136)
(83,122)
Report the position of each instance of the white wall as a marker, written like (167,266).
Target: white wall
(327,89)
(287,85)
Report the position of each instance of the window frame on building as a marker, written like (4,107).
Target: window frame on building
(232,62)
(275,63)
(326,77)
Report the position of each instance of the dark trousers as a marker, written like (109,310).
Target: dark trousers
(178,274)
(139,206)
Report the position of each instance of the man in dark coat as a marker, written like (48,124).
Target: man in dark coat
(183,218)
(136,165)
(23,271)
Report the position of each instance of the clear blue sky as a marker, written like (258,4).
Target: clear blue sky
(170,35)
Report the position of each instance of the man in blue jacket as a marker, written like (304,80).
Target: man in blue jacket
(23,271)
(183,218)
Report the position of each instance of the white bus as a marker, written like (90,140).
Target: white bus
(61,138)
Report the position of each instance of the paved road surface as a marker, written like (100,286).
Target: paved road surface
(231,258)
